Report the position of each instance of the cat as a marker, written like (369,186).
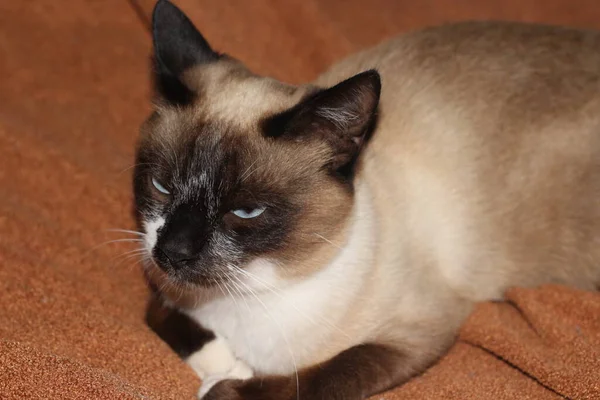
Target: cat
(327,240)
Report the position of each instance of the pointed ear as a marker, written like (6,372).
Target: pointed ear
(341,116)
(177,46)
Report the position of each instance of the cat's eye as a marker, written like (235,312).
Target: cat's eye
(159,186)
(248,213)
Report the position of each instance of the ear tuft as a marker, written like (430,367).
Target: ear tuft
(178,46)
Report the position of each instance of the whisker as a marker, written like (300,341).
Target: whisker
(127,231)
(164,285)
(219,286)
(130,240)
(139,250)
(136,165)
(166,281)
(237,287)
(327,240)
(121,240)
(128,256)
(132,265)
(231,295)
(180,291)
(246,173)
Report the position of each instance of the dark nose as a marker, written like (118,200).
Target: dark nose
(183,237)
(177,257)
(177,249)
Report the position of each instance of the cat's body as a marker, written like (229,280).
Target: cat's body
(487,154)
(482,172)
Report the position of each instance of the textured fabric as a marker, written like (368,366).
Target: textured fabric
(73,91)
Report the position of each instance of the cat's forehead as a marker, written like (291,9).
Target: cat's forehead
(230,94)
(230,100)
(197,152)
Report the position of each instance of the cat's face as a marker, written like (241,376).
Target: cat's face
(241,173)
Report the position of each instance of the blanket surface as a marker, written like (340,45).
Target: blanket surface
(74,88)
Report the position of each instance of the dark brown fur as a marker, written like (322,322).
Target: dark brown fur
(183,335)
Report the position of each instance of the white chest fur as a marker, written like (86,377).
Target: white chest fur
(288,325)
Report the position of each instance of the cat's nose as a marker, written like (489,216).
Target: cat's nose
(177,256)
(183,237)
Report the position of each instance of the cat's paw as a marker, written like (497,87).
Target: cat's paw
(215,358)
(239,372)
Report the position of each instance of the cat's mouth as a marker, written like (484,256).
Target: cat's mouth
(190,272)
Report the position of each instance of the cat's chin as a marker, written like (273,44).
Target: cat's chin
(188,286)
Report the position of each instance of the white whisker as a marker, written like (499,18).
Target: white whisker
(139,250)
(131,265)
(128,255)
(127,231)
(237,307)
(237,287)
(131,240)
(327,240)
(136,165)
(247,173)
(220,287)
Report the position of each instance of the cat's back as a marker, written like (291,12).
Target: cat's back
(487,150)
(481,64)
(488,47)
(482,86)
(504,67)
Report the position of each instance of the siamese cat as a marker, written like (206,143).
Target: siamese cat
(327,240)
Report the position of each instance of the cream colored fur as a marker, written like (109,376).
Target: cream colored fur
(483,173)
(484,170)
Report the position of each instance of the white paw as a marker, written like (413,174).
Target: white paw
(215,358)
(239,371)
(215,362)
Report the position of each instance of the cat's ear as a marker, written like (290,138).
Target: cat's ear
(341,116)
(178,46)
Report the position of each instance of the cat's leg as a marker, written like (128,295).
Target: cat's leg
(405,349)
(206,353)
(354,374)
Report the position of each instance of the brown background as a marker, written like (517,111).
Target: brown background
(73,90)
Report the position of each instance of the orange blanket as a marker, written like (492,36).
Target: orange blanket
(73,90)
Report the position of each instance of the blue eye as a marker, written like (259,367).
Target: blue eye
(248,214)
(159,187)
